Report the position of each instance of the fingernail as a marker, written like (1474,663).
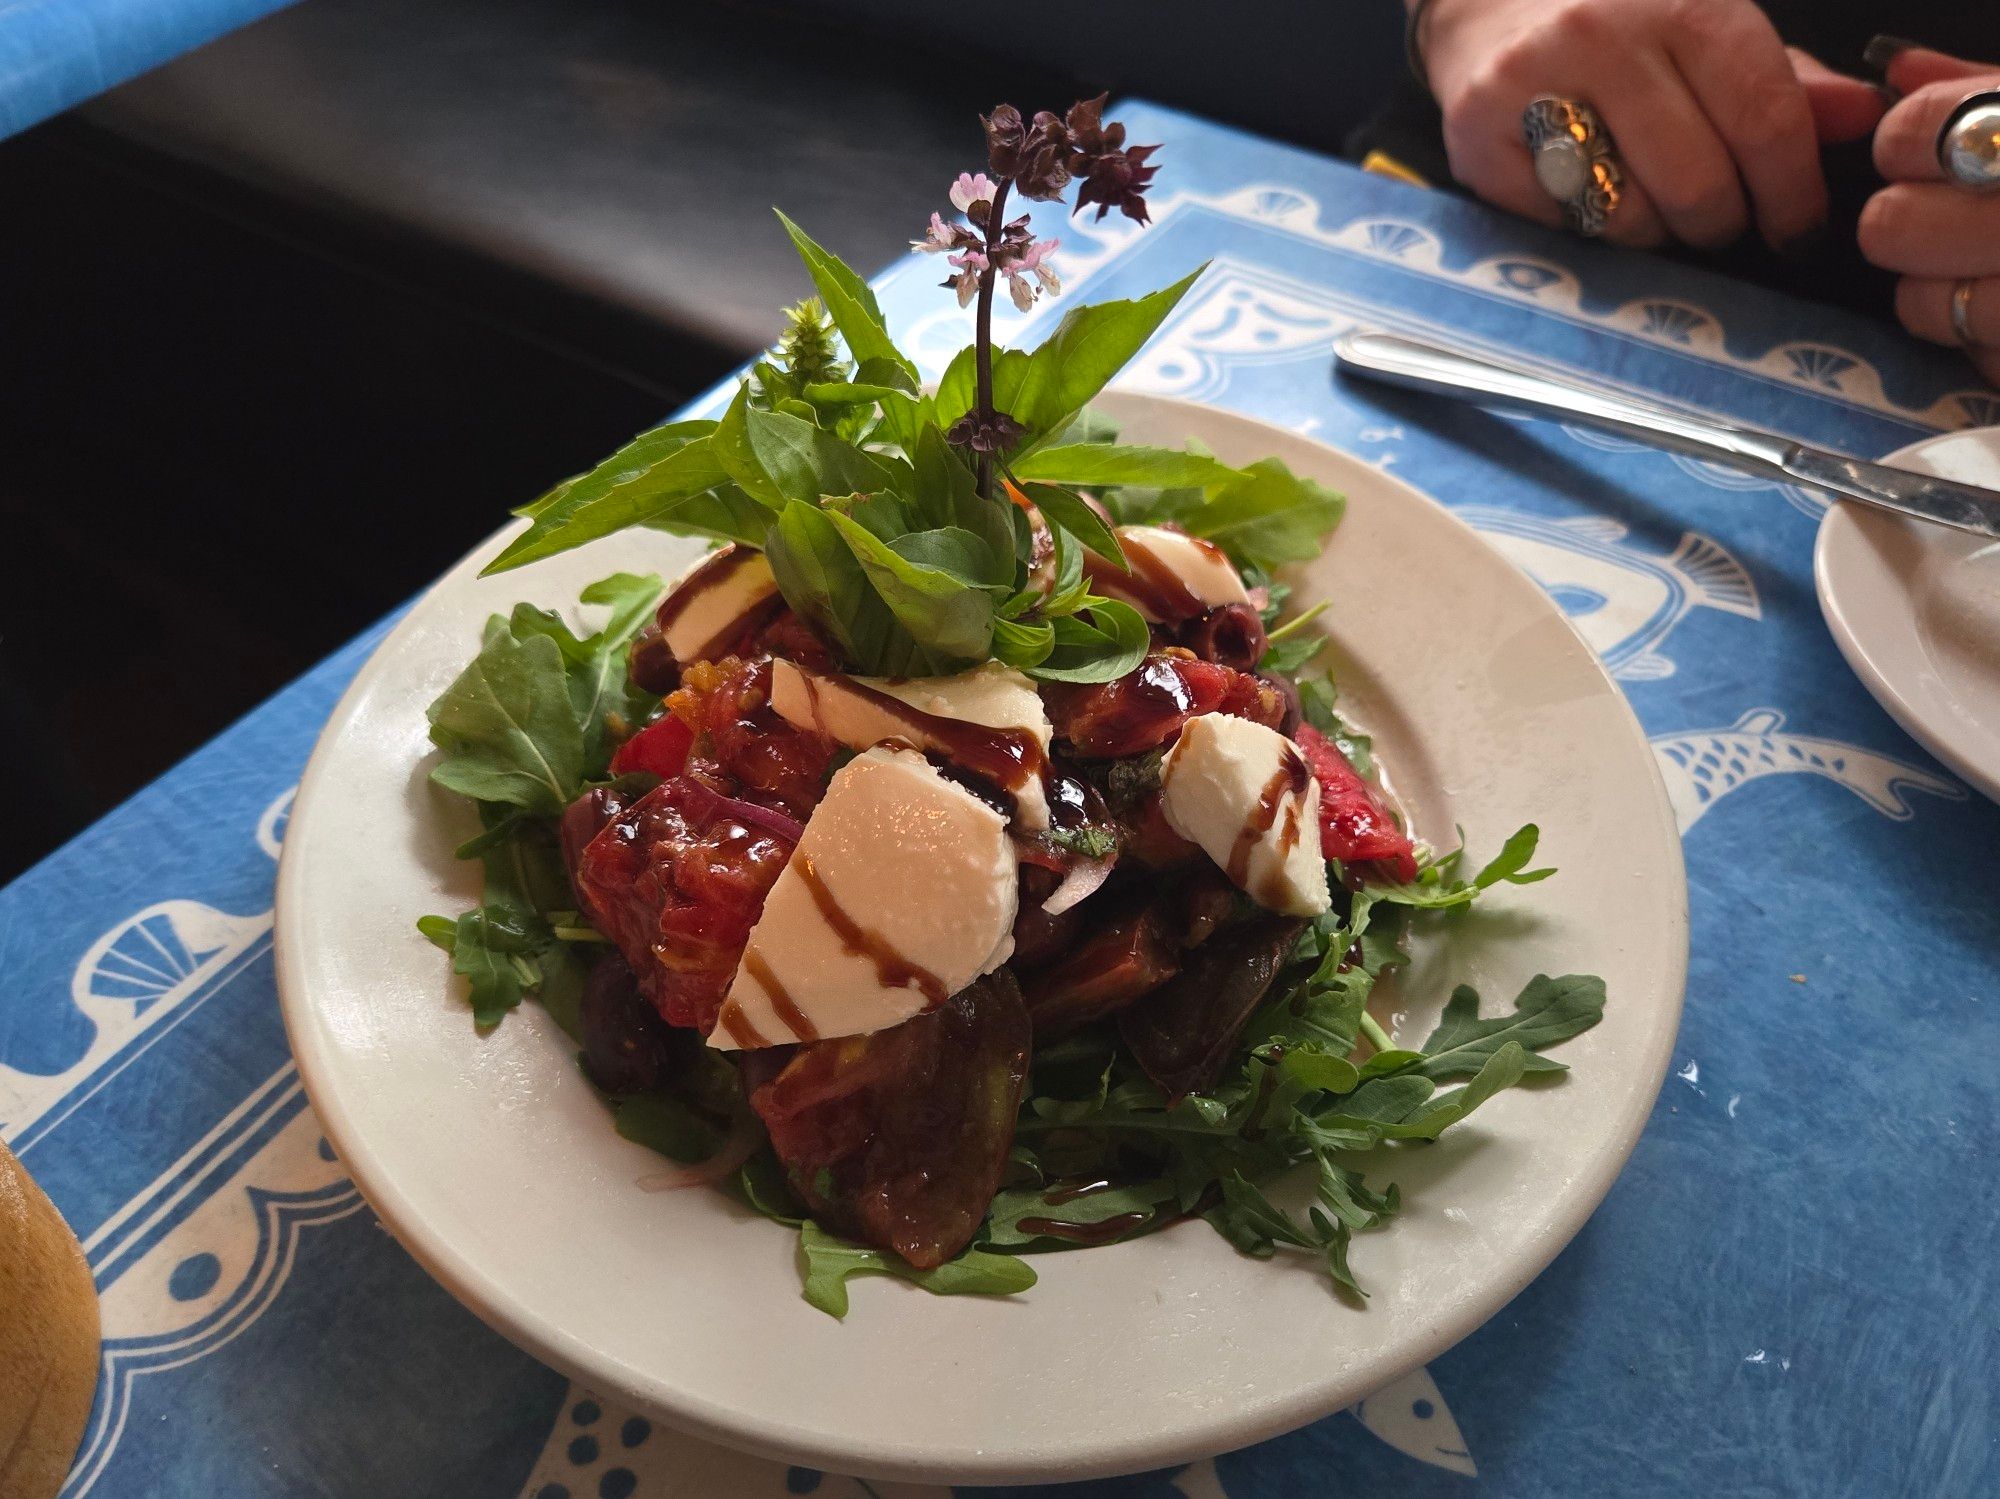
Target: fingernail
(1804,245)
(1883,50)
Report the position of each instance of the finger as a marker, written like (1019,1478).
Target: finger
(1931,229)
(1987,362)
(1923,305)
(1487,154)
(1843,108)
(1906,140)
(1739,72)
(1673,155)
(1918,67)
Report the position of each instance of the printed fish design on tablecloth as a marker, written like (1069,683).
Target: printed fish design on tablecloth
(1623,600)
(1411,1416)
(1702,766)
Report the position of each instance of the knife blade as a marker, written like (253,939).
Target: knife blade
(1417,364)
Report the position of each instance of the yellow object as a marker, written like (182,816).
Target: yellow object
(48,1338)
(1385,165)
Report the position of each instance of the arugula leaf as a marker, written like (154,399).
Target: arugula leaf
(605,701)
(1111,642)
(1067,370)
(764,1186)
(1546,1011)
(1268,517)
(1433,890)
(662,1122)
(1098,465)
(827,1264)
(508,726)
(1141,1201)
(850,302)
(640,484)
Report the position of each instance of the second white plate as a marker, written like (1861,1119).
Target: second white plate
(1915,609)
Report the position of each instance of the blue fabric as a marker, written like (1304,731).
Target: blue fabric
(56,53)
(1787,1291)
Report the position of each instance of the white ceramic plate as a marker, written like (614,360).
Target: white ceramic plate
(495,1166)
(1916,610)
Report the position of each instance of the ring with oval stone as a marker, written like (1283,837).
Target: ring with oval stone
(1576,161)
(1968,143)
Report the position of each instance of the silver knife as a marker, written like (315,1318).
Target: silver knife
(1489,382)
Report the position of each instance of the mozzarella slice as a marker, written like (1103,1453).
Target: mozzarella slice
(1244,794)
(1173,576)
(902,892)
(710,601)
(947,716)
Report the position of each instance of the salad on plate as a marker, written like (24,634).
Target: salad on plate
(967,857)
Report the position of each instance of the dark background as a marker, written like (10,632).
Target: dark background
(286,325)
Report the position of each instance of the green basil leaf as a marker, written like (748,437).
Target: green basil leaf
(949,620)
(944,492)
(739,460)
(1268,517)
(952,550)
(1098,465)
(1062,508)
(1113,640)
(508,726)
(641,483)
(822,579)
(828,1263)
(1067,370)
(1023,646)
(804,463)
(724,513)
(850,302)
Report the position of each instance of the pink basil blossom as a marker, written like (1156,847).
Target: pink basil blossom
(969,190)
(937,239)
(970,265)
(1034,259)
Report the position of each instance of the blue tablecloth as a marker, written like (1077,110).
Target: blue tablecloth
(1787,1292)
(55,53)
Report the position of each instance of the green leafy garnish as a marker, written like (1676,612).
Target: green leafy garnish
(828,1263)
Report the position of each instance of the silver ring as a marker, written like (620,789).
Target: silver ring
(1961,314)
(1576,161)
(1968,143)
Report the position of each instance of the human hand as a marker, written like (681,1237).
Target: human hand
(1927,231)
(1715,121)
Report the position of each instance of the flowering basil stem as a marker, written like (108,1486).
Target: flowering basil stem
(1039,158)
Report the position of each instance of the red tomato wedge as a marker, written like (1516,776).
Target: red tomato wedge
(1354,826)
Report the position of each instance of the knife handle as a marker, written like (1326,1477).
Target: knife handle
(1417,365)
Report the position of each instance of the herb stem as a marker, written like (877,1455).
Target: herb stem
(982,334)
(1377,1037)
(1298,621)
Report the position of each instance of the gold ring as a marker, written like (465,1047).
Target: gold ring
(1961,314)
(1576,161)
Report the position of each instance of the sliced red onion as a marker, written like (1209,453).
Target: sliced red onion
(745,1135)
(1083,878)
(689,791)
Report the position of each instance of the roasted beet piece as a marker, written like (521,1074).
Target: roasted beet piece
(626,1046)
(1183,1032)
(1132,954)
(898,1139)
(1146,707)
(1230,635)
(676,880)
(741,747)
